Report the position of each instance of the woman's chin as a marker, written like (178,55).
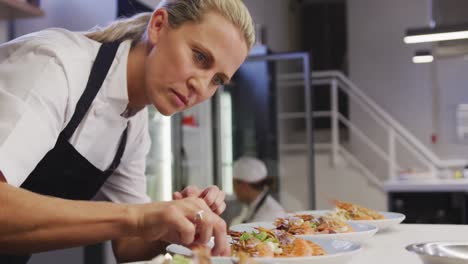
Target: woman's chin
(165,110)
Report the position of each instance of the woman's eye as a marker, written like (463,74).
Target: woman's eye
(200,57)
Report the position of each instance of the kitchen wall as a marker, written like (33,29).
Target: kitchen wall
(452,80)
(380,63)
(75,15)
(278,19)
(422,97)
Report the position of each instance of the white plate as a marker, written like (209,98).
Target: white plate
(391,219)
(441,252)
(338,252)
(361,232)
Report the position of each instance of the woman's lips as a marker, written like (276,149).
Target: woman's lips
(181,100)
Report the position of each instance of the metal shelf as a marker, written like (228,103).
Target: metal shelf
(12,9)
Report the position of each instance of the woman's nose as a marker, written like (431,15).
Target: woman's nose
(199,85)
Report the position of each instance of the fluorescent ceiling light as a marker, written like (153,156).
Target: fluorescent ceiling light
(436,34)
(423,56)
(423,59)
(436,37)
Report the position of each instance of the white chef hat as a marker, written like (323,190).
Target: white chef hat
(249,169)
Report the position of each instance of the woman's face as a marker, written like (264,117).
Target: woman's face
(186,65)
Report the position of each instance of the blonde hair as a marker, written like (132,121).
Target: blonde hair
(180,12)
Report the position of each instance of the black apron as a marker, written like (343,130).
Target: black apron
(64,172)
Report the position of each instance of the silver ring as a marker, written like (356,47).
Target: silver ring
(199,216)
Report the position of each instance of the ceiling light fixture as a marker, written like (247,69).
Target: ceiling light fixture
(423,56)
(419,35)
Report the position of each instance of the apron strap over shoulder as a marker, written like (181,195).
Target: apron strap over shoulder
(97,76)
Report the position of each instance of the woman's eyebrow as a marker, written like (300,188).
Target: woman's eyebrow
(212,59)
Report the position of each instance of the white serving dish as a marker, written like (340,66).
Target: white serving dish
(391,219)
(441,252)
(338,252)
(361,232)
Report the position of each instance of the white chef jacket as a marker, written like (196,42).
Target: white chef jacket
(267,212)
(42,77)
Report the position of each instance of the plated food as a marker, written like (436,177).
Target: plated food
(307,224)
(354,213)
(272,243)
(361,232)
(346,211)
(336,252)
(265,246)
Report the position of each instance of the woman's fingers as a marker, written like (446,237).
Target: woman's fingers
(219,204)
(181,229)
(210,194)
(209,224)
(205,228)
(191,191)
(204,219)
(220,209)
(221,246)
(190,220)
(177,196)
(214,198)
(186,232)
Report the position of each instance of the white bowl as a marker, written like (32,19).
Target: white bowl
(338,252)
(361,232)
(391,218)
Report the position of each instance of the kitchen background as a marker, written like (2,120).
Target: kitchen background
(387,132)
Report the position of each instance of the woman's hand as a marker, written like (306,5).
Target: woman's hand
(186,221)
(212,195)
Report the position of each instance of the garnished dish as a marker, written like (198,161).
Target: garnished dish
(356,214)
(349,211)
(259,246)
(306,224)
(272,243)
(309,226)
